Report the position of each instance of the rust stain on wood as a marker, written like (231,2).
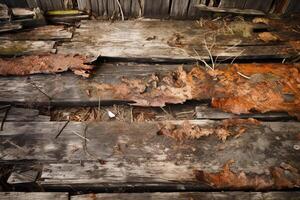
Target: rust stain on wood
(237,88)
(280,177)
(46,64)
(225,129)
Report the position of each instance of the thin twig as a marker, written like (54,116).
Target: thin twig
(4,117)
(210,55)
(80,136)
(121,10)
(61,130)
(44,93)
(203,61)
(243,75)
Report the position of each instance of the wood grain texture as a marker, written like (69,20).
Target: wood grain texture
(179,8)
(33,196)
(135,155)
(173,40)
(206,112)
(40,33)
(194,195)
(258,5)
(156,8)
(22,114)
(14,48)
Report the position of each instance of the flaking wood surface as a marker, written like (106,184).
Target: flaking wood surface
(174,41)
(16,48)
(194,195)
(33,196)
(134,155)
(39,33)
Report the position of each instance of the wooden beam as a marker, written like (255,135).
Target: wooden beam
(135,155)
(15,48)
(231,10)
(193,195)
(170,43)
(33,196)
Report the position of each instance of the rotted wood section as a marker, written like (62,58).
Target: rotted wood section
(140,155)
(146,196)
(173,41)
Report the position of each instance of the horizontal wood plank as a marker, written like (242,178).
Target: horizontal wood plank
(166,41)
(33,196)
(135,155)
(15,48)
(194,195)
(40,33)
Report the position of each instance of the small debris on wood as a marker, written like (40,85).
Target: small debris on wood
(268,37)
(261,20)
(266,90)
(224,130)
(46,64)
(176,40)
(278,178)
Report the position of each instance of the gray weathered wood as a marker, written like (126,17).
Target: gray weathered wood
(58,4)
(231,10)
(206,112)
(194,195)
(22,114)
(13,48)
(23,176)
(134,154)
(179,8)
(136,8)
(4,12)
(33,196)
(40,33)
(156,8)
(86,5)
(258,5)
(117,42)
(32,3)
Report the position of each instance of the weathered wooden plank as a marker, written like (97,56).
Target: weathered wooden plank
(10,27)
(86,5)
(33,196)
(137,8)
(247,11)
(136,155)
(113,9)
(49,4)
(194,195)
(156,8)
(258,5)
(126,7)
(32,3)
(172,40)
(13,48)
(21,114)
(4,12)
(179,8)
(40,33)
(206,112)
(97,9)
(194,12)
(58,4)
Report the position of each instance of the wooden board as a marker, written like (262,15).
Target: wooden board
(134,155)
(206,112)
(40,33)
(172,41)
(258,5)
(156,8)
(231,10)
(22,114)
(33,196)
(14,48)
(194,195)
(179,8)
